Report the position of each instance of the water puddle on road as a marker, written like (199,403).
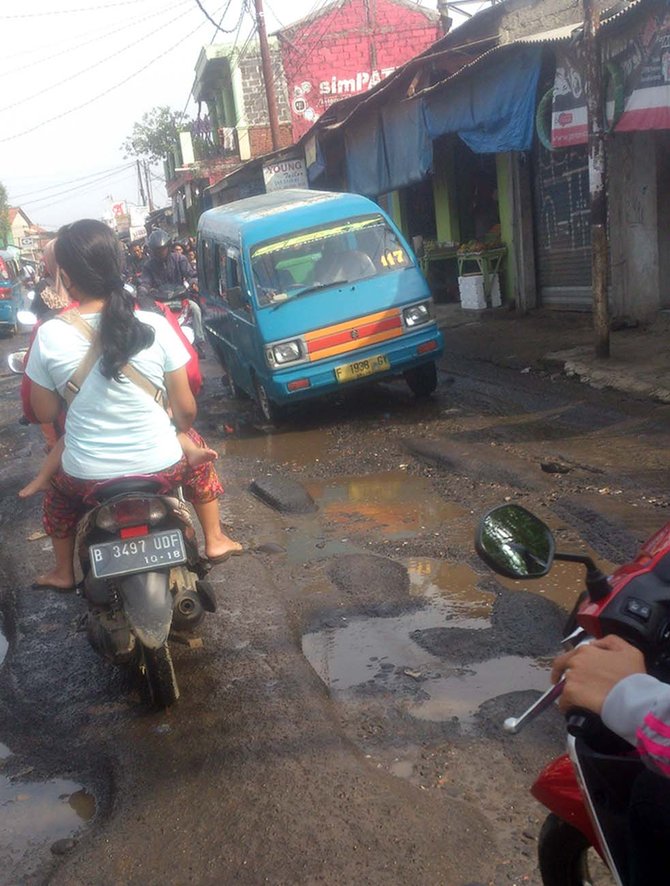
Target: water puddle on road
(369,655)
(295,447)
(392,505)
(34,815)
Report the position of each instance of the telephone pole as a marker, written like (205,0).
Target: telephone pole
(597,177)
(143,199)
(150,196)
(268,77)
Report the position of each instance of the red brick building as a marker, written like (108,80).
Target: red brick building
(346,48)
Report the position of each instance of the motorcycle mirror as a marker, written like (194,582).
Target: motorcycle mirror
(515,543)
(15,361)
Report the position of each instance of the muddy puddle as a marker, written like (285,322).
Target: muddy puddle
(354,511)
(295,447)
(371,655)
(34,815)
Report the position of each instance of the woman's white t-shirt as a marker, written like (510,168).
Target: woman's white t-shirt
(112,429)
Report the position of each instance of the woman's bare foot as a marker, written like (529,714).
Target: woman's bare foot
(56,580)
(221,547)
(197,456)
(39,484)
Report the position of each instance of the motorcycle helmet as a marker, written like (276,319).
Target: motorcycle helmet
(158,240)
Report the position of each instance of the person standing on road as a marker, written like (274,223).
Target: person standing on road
(171,268)
(113,427)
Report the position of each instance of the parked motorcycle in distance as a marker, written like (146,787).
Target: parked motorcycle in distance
(587,790)
(143,578)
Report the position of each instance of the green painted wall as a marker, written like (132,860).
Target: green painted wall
(505,179)
(444,192)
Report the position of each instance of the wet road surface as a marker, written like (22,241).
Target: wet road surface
(342,721)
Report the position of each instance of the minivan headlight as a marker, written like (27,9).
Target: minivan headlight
(416,314)
(286,352)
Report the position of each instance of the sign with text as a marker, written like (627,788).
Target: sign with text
(285,174)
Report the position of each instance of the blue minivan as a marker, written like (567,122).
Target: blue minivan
(11,289)
(306,292)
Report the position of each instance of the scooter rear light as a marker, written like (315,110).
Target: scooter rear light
(134,531)
(130,512)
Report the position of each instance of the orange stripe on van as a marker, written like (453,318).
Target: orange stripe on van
(354,334)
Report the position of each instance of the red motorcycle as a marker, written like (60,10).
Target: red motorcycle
(588,789)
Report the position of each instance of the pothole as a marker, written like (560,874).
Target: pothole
(296,447)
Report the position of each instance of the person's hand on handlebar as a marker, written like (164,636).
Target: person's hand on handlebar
(593,669)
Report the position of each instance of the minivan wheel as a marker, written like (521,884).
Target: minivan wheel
(268,408)
(422,380)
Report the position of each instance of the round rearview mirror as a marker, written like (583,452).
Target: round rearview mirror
(515,543)
(25,320)
(16,361)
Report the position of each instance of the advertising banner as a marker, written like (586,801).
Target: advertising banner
(285,174)
(569,121)
(641,61)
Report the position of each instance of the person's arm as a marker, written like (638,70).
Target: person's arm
(638,709)
(46,404)
(182,401)
(186,269)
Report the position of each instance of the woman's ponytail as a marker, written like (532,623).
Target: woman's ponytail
(90,254)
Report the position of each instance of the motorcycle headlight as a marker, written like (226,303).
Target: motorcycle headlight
(416,315)
(286,352)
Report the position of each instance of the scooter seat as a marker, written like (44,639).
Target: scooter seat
(124,486)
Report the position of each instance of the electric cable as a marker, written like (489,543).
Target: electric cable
(80,178)
(17,15)
(79,188)
(104,92)
(96,64)
(78,44)
(211,20)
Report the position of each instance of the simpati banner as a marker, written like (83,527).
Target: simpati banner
(569,121)
(642,60)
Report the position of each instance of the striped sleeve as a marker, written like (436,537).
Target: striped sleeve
(638,709)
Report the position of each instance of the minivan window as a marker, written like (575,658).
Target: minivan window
(319,257)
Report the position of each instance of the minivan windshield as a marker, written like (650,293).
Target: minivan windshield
(317,258)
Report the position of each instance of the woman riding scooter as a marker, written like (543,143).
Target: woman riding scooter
(113,427)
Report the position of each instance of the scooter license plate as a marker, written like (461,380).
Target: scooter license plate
(125,556)
(362,368)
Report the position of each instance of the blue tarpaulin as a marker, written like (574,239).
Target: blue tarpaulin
(388,150)
(492,108)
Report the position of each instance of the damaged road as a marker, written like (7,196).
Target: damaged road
(342,721)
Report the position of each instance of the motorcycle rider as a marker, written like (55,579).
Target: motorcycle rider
(171,268)
(609,677)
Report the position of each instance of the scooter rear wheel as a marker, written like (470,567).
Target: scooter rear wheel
(160,681)
(566,858)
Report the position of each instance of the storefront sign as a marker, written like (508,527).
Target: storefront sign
(285,174)
(569,119)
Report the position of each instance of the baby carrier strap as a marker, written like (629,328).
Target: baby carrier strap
(81,373)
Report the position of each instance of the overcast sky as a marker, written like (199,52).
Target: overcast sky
(76,74)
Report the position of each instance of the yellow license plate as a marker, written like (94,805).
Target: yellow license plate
(361,368)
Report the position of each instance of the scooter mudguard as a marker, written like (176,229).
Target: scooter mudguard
(147,603)
(556,787)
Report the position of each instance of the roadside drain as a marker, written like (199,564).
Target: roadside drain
(36,815)
(381,658)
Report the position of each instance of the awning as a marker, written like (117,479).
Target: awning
(492,109)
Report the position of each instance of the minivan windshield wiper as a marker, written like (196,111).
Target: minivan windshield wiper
(308,289)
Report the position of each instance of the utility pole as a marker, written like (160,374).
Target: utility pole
(150,196)
(268,77)
(597,177)
(143,199)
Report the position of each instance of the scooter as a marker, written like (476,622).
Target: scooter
(143,579)
(177,299)
(587,790)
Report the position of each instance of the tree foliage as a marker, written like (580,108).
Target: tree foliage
(156,134)
(4,216)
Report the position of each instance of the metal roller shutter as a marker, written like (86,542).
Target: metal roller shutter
(562,229)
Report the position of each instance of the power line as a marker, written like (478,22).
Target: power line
(79,188)
(79,45)
(97,64)
(103,93)
(211,20)
(69,181)
(69,11)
